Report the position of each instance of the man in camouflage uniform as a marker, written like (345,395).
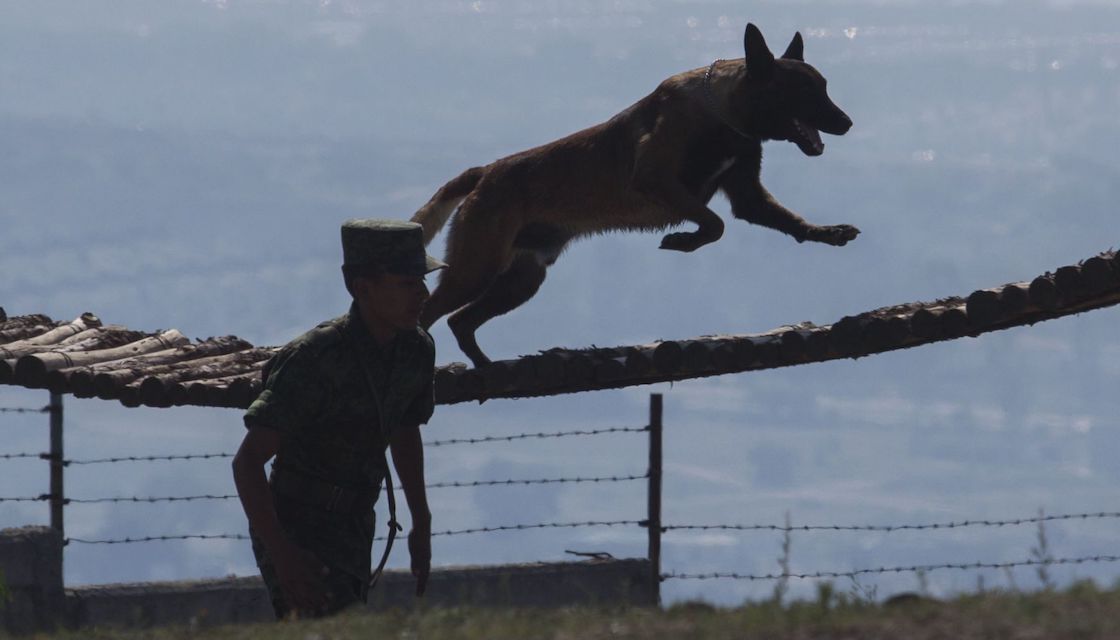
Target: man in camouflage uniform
(334,399)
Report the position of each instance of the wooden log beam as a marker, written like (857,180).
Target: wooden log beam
(106,378)
(194,375)
(20,327)
(31,370)
(1092,284)
(159,390)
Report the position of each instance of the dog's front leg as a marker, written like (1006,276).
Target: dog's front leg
(656,181)
(751,201)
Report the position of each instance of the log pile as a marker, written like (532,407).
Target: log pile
(164,369)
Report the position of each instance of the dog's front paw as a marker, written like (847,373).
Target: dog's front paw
(682,241)
(836,235)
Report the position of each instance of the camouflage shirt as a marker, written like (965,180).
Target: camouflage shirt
(331,428)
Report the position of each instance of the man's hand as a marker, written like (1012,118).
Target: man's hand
(420,549)
(300,575)
(408,457)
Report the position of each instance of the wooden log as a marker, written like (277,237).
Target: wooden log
(579,369)
(109,377)
(447,383)
(129,397)
(846,336)
(12,351)
(60,333)
(21,327)
(550,368)
(3,316)
(697,355)
(525,373)
(16,350)
(925,323)
(32,370)
(899,329)
(155,389)
(471,383)
(610,369)
(80,380)
(1013,298)
(744,353)
(1043,293)
(639,362)
(983,308)
(953,322)
(723,356)
(816,344)
(885,332)
(876,333)
(768,351)
(1097,274)
(1069,282)
(58,381)
(791,346)
(87,340)
(232,392)
(668,356)
(497,376)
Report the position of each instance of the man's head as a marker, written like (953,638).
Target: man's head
(384,265)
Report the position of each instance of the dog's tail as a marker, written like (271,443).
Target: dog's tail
(433,215)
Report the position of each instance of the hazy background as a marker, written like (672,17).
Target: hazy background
(187,164)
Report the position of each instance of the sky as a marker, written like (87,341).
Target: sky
(187,164)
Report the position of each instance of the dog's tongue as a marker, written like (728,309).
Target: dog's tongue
(808,139)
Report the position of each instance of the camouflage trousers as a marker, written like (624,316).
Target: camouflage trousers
(343,589)
(341,540)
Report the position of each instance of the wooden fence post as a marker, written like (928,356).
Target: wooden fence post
(56,461)
(653,521)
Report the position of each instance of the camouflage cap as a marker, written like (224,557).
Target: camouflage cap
(393,244)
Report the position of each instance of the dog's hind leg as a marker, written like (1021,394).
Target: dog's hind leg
(478,250)
(510,290)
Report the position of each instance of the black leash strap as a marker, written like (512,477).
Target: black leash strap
(394,526)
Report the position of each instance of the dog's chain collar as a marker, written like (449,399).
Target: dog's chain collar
(714,107)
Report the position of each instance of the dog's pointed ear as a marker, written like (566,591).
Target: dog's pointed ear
(796,48)
(760,62)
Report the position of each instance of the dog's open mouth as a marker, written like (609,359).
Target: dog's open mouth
(807,138)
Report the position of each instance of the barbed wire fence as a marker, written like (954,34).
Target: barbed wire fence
(652,522)
(58,498)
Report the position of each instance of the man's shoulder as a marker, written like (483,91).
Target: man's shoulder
(326,336)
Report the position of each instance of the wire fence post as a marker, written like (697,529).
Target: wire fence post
(653,521)
(56,461)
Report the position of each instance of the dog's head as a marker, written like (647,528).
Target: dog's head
(785,98)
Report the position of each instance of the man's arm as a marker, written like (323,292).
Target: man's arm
(408,459)
(298,571)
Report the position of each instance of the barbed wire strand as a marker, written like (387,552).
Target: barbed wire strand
(45,409)
(13,456)
(240,536)
(489,483)
(880,570)
(186,456)
(524,436)
(148,499)
(434,443)
(437,485)
(192,536)
(892,528)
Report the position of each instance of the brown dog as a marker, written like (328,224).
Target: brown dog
(653,166)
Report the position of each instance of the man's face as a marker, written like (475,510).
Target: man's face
(393,300)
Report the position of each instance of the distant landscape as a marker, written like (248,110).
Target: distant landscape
(187,165)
